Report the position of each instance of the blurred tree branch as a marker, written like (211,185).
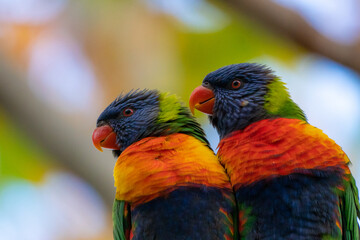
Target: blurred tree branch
(67,144)
(290,24)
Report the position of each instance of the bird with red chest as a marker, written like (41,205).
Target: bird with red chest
(291,181)
(169,183)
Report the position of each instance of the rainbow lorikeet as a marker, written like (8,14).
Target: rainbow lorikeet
(291,181)
(169,183)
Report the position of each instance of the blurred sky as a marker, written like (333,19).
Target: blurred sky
(339,20)
(77,56)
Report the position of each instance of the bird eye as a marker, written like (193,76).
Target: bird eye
(236,84)
(128,112)
(206,84)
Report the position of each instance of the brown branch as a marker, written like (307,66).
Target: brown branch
(290,24)
(62,140)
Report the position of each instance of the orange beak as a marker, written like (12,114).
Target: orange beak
(104,136)
(203,99)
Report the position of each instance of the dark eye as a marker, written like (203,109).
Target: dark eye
(236,84)
(206,84)
(128,112)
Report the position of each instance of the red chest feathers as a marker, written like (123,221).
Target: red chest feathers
(275,147)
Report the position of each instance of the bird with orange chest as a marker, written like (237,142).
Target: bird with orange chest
(291,181)
(169,183)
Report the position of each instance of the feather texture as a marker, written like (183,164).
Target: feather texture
(155,165)
(176,189)
(277,147)
(287,172)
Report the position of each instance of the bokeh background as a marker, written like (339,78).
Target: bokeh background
(63,61)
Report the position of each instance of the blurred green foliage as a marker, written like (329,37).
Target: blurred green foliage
(19,156)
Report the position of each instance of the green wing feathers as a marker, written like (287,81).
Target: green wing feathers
(350,210)
(121,220)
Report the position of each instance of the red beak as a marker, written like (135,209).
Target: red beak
(203,99)
(105,136)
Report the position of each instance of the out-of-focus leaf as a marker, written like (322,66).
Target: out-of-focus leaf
(19,156)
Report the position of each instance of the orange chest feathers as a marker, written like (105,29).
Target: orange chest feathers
(155,166)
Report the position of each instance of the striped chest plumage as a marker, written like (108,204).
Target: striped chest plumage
(286,175)
(176,189)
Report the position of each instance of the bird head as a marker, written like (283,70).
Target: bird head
(140,114)
(237,95)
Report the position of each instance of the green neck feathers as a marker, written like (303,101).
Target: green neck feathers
(176,118)
(278,102)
